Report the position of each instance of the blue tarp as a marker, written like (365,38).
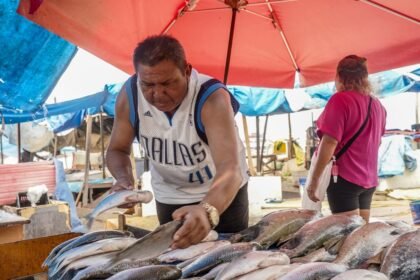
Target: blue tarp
(264,101)
(31,61)
(253,101)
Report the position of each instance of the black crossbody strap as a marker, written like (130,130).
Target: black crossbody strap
(350,142)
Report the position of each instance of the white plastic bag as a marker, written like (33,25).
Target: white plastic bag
(324,181)
(34,193)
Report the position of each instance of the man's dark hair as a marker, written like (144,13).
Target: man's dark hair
(156,49)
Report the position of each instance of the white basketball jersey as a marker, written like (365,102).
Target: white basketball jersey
(181,164)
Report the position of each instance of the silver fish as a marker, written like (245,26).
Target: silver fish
(360,274)
(366,242)
(215,257)
(154,272)
(315,234)
(151,245)
(269,273)
(314,271)
(82,240)
(80,264)
(190,252)
(108,269)
(56,251)
(402,259)
(275,227)
(117,199)
(252,261)
(98,247)
(214,271)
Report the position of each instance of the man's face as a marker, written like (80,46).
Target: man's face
(164,85)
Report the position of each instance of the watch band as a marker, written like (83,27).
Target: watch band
(212,214)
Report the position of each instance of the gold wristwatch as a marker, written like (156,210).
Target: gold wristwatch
(212,214)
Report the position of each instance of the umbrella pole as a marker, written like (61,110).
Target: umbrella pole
(229,49)
(263,141)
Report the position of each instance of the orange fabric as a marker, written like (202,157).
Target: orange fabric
(319,34)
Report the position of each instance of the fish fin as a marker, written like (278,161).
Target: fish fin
(376,259)
(284,240)
(334,244)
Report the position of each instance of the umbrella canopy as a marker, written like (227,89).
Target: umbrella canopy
(260,42)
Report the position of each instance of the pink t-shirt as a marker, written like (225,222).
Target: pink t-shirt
(341,119)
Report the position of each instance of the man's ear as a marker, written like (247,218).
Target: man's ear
(188,69)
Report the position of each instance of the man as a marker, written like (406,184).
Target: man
(187,129)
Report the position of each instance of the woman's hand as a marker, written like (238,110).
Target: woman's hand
(312,189)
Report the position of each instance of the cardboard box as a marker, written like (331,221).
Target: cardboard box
(45,220)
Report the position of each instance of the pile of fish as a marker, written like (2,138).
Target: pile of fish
(287,245)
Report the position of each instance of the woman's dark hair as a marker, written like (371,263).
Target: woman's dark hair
(156,49)
(352,74)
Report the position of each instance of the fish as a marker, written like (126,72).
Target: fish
(151,245)
(55,251)
(108,269)
(82,240)
(116,199)
(366,242)
(183,264)
(190,252)
(214,271)
(98,247)
(275,227)
(315,234)
(402,258)
(154,272)
(314,271)
(252,261)
(215,257)
(360,274)
(96,260)
(320,255)
(269,273)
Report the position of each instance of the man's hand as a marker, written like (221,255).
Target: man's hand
(311,189)
(122,184)
(195,228)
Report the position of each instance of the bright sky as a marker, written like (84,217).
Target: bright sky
(86,74)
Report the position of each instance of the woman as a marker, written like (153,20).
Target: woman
(350,128)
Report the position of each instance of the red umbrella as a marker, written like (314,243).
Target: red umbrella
(262,43)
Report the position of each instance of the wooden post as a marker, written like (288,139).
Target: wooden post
(55,145)
(248,147)
(101,128)
(85,186)
(19,144)
(290,146)
(258,145)
(1,138)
